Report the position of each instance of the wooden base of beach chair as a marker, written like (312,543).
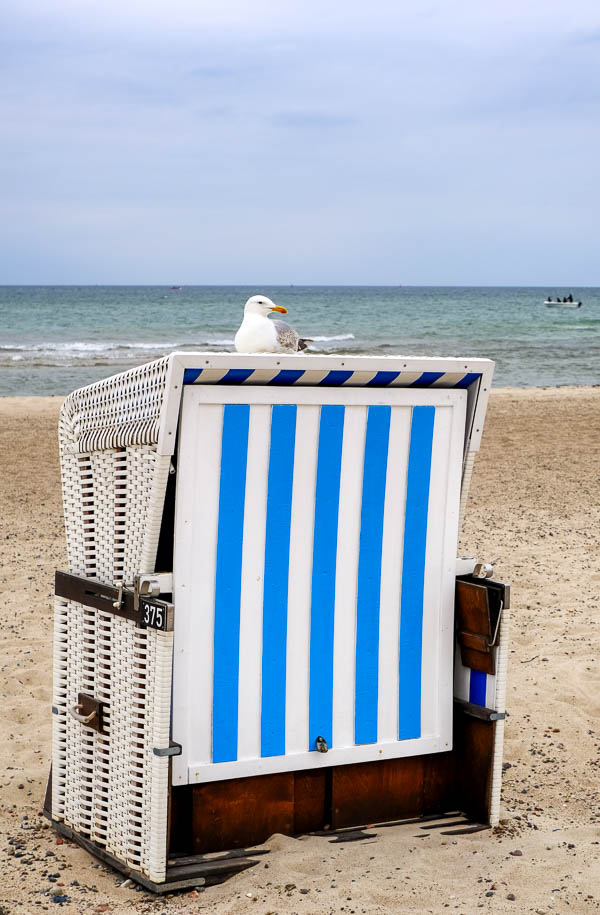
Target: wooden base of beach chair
(216,816)
(217,829)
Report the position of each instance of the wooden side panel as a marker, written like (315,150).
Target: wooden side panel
(243,812)
(475,743)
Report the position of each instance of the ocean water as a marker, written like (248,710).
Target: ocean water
(56,338)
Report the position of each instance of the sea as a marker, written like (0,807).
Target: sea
(54,339)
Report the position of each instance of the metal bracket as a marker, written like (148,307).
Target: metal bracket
(150,586)
(174,749)
(483,570)
(479,711)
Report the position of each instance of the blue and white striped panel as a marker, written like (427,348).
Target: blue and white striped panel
(330,378)
(474,685)
(311,539)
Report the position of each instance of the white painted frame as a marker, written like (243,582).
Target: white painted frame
(191,676)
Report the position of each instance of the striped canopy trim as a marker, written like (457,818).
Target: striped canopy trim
(331,378)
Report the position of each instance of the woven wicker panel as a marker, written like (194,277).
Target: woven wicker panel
(111,787)
(121,410)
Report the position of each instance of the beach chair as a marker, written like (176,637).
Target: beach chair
(264,627)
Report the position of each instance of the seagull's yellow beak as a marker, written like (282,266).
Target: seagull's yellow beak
(280,309)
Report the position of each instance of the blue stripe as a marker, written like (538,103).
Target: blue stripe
(336,377)
(426,379)
(287,376)
(228,581)
(369,575)
(413,572)
(236,376)
(275,595)
(477,687)
(468,380)
(190,375)
(327,496)
(382,378)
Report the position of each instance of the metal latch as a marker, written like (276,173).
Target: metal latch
(174,749)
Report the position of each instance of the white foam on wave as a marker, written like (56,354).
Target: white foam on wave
(319,339)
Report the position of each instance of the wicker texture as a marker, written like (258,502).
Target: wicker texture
(121,410)
(111,787)
(500,705)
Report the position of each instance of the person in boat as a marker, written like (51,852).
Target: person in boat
(570,298)
(549,298)
(564,298)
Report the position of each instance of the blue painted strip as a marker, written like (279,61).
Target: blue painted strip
(413,572)
(382,378)
(336,377)
(468,380)
(426,379)
(275,595)
(190,375)
(369,575)
(477,687)
(236,376)
(228,581)
(287,376)
(327,496)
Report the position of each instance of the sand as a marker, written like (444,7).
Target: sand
(534,512)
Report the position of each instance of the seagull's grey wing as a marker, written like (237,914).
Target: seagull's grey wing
(287,337)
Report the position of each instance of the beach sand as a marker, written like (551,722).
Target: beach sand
(534,512)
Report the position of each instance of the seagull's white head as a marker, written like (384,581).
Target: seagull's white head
(261,305)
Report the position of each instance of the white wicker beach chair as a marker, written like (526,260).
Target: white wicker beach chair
(259,610)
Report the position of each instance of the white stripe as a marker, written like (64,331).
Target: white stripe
(490,688)
(211,376)
(196,532)
(462,677)
(440,560)
(404,379)
(433,558)
(344,645)
(391,573)
(358,378)
(253,560)
(449,379)
(299,581)
(262,376)
(311,376)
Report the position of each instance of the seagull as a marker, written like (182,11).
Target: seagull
(259,335)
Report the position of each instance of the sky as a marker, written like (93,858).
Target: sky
(284,142)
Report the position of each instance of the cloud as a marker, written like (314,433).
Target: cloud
(268,135)
(311,119)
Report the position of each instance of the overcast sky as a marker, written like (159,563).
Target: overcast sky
(300,142)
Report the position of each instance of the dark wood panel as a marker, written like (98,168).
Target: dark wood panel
(474,741)
(376,791)
(242,812)
(439,783)
(312,800)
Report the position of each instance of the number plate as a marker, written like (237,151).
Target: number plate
(156,614)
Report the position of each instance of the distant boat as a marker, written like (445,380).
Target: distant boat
(558,304)
(176,288)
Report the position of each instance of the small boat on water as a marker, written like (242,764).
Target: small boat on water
(558,304)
